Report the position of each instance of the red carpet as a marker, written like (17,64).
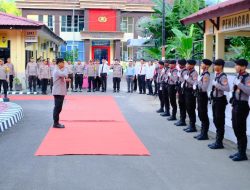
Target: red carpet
(94,126)
(30,97)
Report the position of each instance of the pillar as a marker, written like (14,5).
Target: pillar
(117,49)
(87,50)
(219,46)
(208,46)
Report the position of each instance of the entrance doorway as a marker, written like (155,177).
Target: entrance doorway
(101,52)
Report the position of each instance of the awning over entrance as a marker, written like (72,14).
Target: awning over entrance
(140,43)
(221,9)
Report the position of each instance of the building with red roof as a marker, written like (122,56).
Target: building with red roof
(22,38)
(219,22)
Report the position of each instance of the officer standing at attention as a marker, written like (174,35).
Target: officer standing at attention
(44,75)
(52,67)
(79,69)
(190,99)
(98,81)
(164,84)
(180,90)
(32,73)
(202,99)
(59,90)
(172,74)
(70,68)
(240,110)
(160,83)
(219,102)
(11,73)
(4,77)
(91,76)
(142,77)
(103,73)
(130,74)
(156,72)
(117,75)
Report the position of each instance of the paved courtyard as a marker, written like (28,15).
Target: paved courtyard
(177,161)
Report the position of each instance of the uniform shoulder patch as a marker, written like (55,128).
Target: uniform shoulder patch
(225,81)
(248,83)
(205,78)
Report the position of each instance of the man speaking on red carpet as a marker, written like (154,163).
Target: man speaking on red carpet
(60,77)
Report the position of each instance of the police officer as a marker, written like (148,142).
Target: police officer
(32,73)
(165,94)
(161,72)
(240,110)
(180,90)
(11,73)
(103,73)
(190,99)
(172,79)
(117,75)
(142,77)
(98,81)
(52,68)
(79,70)
(202,98)
(44,75)
(70,68)
(91,76)
(219,102)
(4,77)
(155,76)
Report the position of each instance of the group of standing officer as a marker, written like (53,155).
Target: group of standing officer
(191,89)
(7,74)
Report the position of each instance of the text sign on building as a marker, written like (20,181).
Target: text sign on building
(31,36)
(100,43)
(237,21)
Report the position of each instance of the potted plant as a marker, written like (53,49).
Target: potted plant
(17,84)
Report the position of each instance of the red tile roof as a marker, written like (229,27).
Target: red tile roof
(221,9)
(11,20)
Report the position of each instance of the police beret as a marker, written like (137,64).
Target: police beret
(207,62)
(161,62)
(219,62)
(191,62)
(172,61)
(241,62)
(182,62)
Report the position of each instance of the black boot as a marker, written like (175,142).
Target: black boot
(241,156)
(203,135)
(180,123)
(218,143)
(191,130)
(160,110)
(58,125)
(165,114)
(171,118)
(197,136)
(233,155)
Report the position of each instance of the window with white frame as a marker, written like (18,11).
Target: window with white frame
(127,25)
(66,23)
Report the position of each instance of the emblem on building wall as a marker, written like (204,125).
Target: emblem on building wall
(102,19)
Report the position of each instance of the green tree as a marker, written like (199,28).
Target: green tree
(70,55)
(9,7)
(240,46)
(174,13)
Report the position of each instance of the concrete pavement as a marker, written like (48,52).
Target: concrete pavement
(177,161)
